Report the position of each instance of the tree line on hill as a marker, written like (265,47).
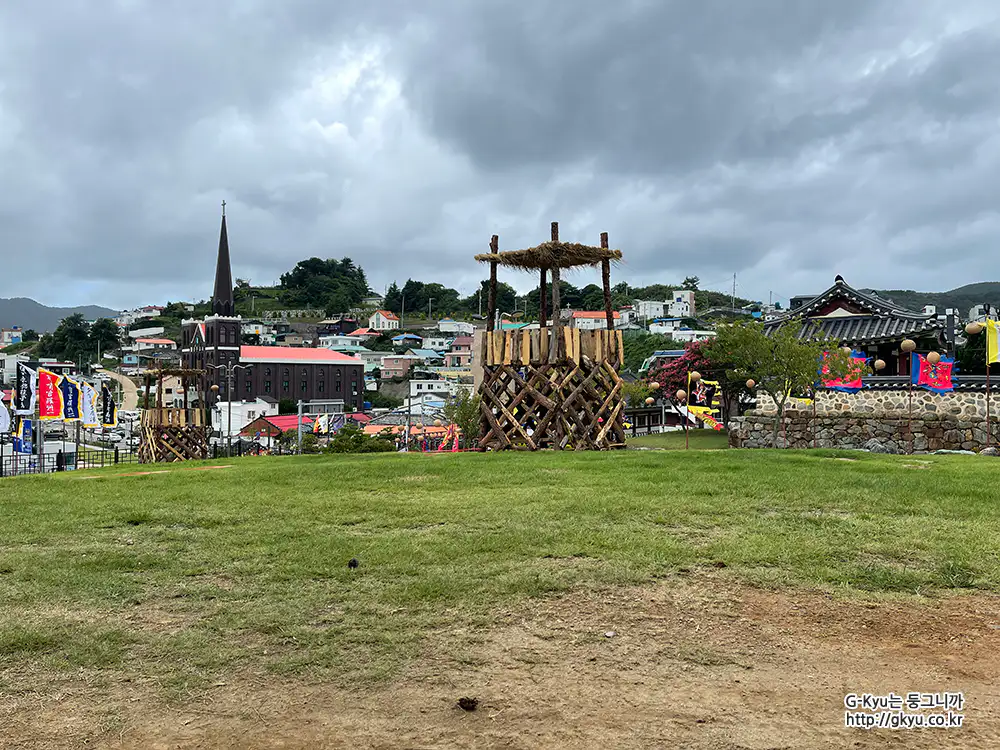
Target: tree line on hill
(74,340)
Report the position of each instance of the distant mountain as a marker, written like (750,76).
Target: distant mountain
(963,298)
(24,312)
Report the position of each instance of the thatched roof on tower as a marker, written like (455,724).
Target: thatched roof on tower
(551,255)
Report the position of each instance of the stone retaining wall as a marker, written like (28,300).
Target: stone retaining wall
(963,404)
(857,429)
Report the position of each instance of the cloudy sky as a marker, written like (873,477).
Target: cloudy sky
(782,140)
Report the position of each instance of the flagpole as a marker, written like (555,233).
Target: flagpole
(988,430)
(815,399)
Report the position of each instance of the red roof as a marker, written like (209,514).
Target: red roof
(251,354)
(359,417)
(584,314)
(386,314)
(285,422)
(155,341)
(364,332)
(462,340)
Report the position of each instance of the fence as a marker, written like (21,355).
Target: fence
(18,464)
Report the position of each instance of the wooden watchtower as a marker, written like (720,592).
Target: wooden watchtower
(171,433)
(555,387)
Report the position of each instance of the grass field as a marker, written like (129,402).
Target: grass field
(181,578)
(696,439)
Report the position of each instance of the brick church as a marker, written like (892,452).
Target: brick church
(269,372)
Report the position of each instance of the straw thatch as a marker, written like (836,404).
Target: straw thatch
(552,255)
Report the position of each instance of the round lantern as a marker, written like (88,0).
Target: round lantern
(974,328)
(654,385)
(933,357)
(879,364)
(437,422)
(681,394)
(908,345)
(751,384)
(695,376)
(215,388)
(650,401)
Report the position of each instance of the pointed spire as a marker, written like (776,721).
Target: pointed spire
(222,297)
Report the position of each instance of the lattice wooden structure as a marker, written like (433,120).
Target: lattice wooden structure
(554,387)
(172,433)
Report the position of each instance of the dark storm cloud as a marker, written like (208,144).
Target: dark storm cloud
(783,140)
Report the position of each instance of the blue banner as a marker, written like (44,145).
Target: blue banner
(22,437)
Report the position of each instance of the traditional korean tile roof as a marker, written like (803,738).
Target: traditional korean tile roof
(877,319)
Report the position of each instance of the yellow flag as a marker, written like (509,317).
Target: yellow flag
(992,350)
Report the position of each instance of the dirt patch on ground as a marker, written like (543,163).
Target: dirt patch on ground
(692,662)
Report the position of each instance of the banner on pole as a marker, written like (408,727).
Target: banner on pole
(50,400)
(25,390)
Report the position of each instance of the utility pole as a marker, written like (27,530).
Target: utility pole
(480,295)
(300,425)
(734,292)
(430,301)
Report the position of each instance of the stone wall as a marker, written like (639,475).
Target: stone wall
(890,432)
(892,402)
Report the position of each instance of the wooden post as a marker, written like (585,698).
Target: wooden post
(543,302)
(492,305)
(606,279)
(556,339)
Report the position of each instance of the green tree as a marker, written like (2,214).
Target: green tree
(690,283)
(463,411)
(781,364)
(104,337)
(350,439)
(287,406)
(30,335)
(71,339)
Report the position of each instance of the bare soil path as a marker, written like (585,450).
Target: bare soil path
(691,662)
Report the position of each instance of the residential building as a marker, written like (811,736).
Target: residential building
(146,333)
(383,320)
(145,346)
(440,388)
(979,313)
(369,357)
(365,334)
(127,318)
(373,300)
(267,429)
(681,304)
(407,339)
(8,367)
(457,327)
(337,326)
(398,365)
(438,343)
(591,321)
(849,317)
(335,341)
(427,356)
(649,309)
(9,336)
(277,372)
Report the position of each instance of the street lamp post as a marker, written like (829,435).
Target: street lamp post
(230,369)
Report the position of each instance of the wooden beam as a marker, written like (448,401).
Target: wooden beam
(543,302)
(492,305)
(606,279)
(556,307)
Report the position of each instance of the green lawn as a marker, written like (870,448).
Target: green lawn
(696,439)
(179,579)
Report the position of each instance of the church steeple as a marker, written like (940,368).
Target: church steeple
(222,298)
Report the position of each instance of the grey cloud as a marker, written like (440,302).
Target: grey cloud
(784,140)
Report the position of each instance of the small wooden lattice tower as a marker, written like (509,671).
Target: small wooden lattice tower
(555,387)
(172,433)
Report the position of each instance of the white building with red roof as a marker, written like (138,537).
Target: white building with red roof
(586,320)
(383,320)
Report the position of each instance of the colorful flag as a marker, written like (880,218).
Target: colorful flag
(851,383)
(50,399)
(25,390)
(701,397)
(109,411)
(22,436)
(937,377)
(336,423)
(72,395)
(708,419)
(4,416)
(88,409)
(992,341)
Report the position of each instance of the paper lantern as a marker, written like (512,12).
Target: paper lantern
(933,357)
(974,328)
(437,422)
(908,345)
(879,364)
(695,376)
(650,401)
(847,350)
(215,388)
(654,385)
(681,394)
(751,384)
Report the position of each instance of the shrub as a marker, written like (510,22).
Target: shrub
(352,440)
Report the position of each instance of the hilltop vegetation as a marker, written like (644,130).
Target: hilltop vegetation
(963,298)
